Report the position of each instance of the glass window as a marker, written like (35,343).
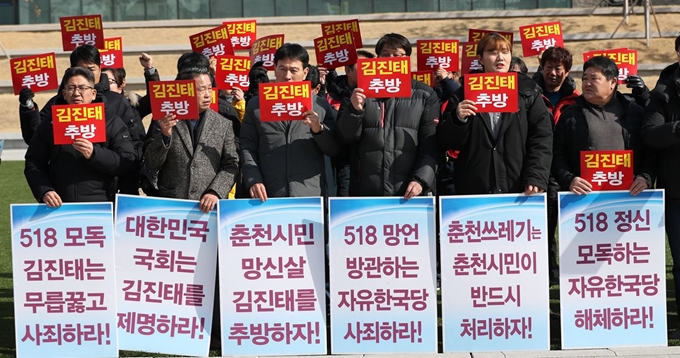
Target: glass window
(102,7)
(488,5)
(324,7)
(554,3)
(257,8)
(520,4)
(422,5)
(455,5)
(220,9)
(130,10)
(161,9)
(356,7)
(194,9)
(389,6)
(291,7)
(7,12)
(34,12)
(62,8)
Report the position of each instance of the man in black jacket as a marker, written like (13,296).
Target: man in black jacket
(661,131)
(83,171)
(87,56)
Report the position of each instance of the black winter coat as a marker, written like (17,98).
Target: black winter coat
(63,169)
(571,137)
(661,129)
(520,155)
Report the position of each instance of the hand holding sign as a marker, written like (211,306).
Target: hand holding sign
(167,123)
(358,99)
(466,109)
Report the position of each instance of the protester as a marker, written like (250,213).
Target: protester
(395,148)
(499,152)
(339,87)
(661,131)
(286,158)
(83,171)
(518,65)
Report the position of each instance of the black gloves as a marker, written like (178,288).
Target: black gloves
(26,98)
(636,83)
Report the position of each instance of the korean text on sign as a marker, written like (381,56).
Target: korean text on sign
(331,28)
(537,38)
(612,269)
(608,169)
(384,77)
(73,121)
(65,301)
(81,30)
(475,35)
(626,60)
(233,72)
(213,42)
(493,92)
(38,73)
(433,54)
(112,54)
(469,61)
(241,33)
(174,97)
(423,76)
(335,50)
(264,48)
(284,100)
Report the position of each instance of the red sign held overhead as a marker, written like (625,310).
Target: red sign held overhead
(264,49)
(81,30)
(475,35)
(332,28)
(112,54)
(174,97)
(537,38)
(38,73)
(242,33)
(213,42)
(493,92)
(433,54)
(469,60)
(284,101)
(384,77)
(73,121)
(232,72)
(333,51)
(608,169)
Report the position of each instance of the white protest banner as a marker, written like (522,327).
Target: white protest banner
(383,275)
(63,265)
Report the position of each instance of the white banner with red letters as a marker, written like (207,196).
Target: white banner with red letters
(383,275)
(166,257)
(612,269)
(272,275)
(63,265)
(494,272)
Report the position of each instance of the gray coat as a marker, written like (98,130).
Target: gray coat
(187,173)
(284,155)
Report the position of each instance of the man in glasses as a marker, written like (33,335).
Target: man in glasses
(87,56)
(83,171)
(661,131)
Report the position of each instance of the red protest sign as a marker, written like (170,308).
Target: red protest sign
(112,54)
(214,101)
(608,169)
(626,60)
(384,77)
(284,101)
(264,49)
(537,38)
(332,28)
(493,92)
(80,30)
(432,54)
(174,97)
(37,72)
(423,76)
(213,42)
(469,61)
(73,121)
(242,33)
(475,35)
(232,71)
(333,51)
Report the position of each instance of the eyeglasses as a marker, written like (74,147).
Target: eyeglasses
(81,89)
(112,81)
